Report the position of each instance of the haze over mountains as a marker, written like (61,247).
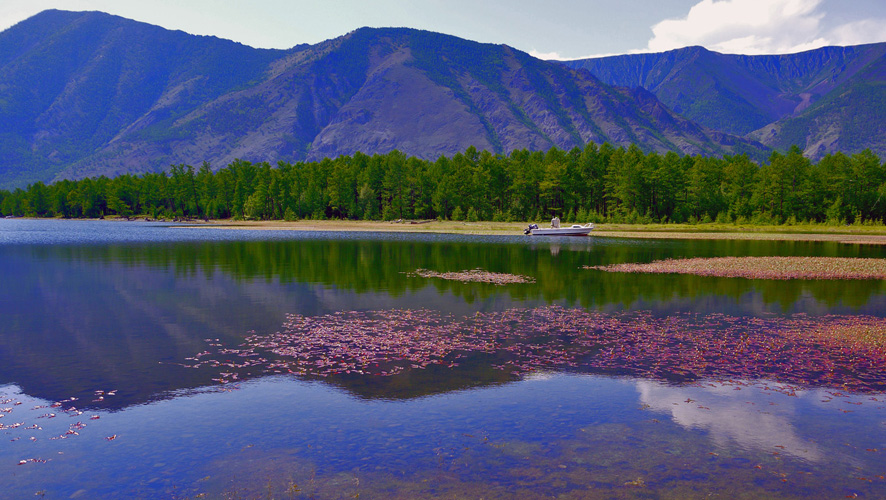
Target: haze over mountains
(87,93)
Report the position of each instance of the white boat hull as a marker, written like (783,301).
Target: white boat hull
(575,230)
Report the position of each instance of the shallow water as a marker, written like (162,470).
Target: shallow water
(90,307)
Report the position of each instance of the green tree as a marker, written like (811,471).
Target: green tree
(704,182)
(37,200)
(784,185)
(342,188)
(739,183)
(866,177)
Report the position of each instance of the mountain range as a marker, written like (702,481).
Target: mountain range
(823,100)
(88,93)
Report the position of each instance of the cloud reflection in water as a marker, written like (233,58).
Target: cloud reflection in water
(747,417)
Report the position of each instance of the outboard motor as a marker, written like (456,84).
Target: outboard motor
(530,228)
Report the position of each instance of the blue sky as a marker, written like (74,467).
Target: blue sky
(550,28)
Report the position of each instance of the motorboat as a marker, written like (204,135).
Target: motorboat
(574,230)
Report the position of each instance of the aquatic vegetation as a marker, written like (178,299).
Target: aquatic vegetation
(845,352)
(854,330)
(474,275)
(22,421)
(780,268)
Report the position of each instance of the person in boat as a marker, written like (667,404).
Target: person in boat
(555,222)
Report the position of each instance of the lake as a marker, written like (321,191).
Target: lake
(164,361)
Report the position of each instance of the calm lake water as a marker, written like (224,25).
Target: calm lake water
(122,373)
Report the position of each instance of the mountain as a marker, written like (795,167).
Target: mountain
(849,118)
(87,93)
(823,100)
(71,83)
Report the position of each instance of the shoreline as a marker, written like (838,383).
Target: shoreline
(850,235)
(869,235)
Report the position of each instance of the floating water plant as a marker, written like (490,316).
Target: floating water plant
(474,275)
(780,268)
(845,352)
(21,422)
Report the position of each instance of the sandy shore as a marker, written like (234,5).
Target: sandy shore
(453,227)
(842,234)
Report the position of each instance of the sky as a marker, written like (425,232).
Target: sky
(550,29)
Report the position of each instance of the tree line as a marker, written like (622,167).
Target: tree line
(598,183)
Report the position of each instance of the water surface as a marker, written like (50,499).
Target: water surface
(90,307)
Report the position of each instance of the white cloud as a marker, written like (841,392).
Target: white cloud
(555,56)
(547,56)
(859,32)
(760,27)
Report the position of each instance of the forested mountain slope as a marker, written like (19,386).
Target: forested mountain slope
(824,100)
(72,83)
(87,94)
(850,118)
